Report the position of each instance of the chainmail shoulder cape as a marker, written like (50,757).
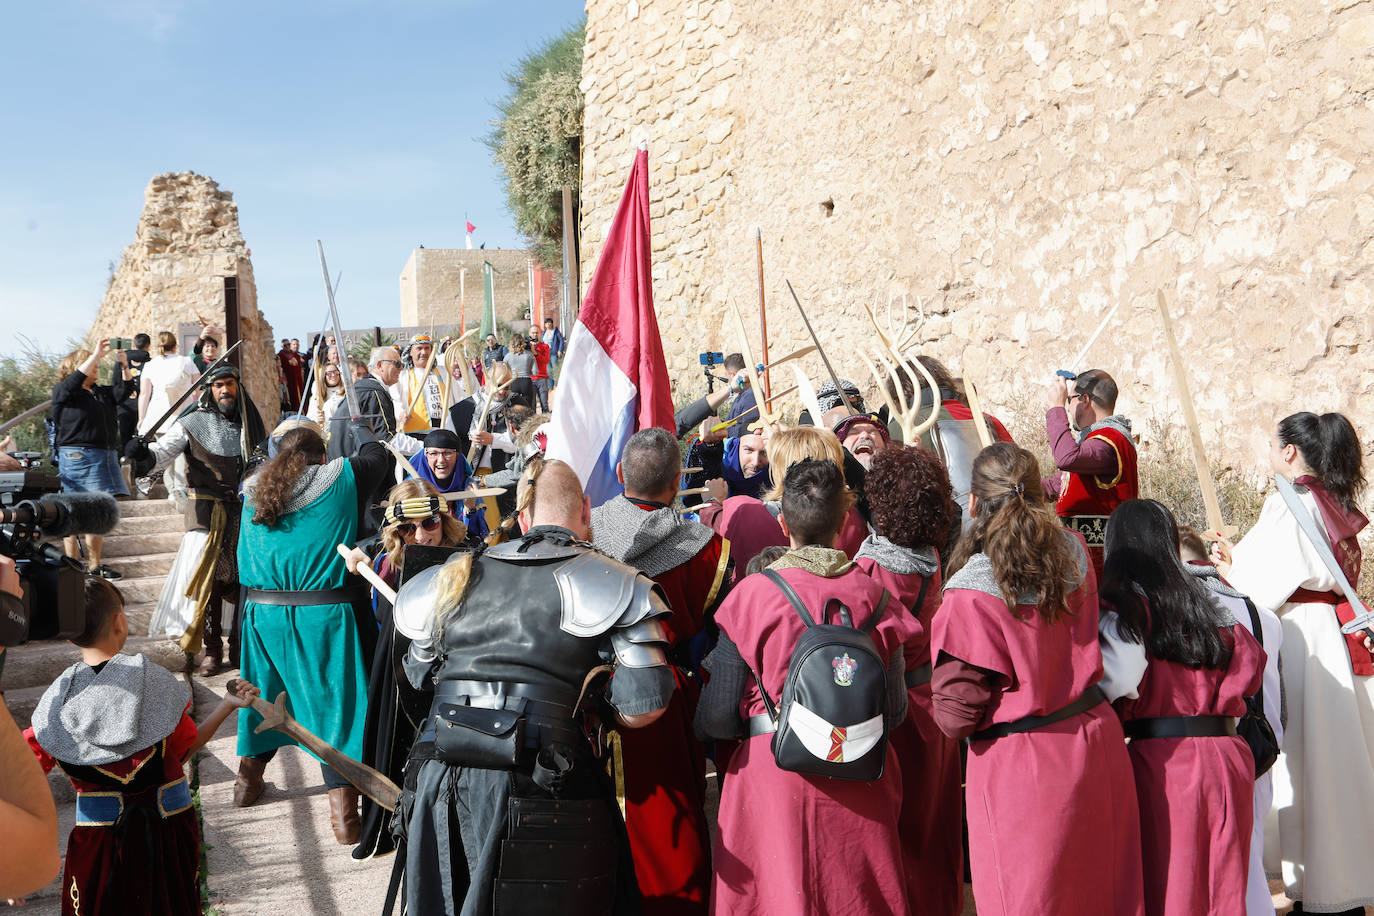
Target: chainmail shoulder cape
(652,542)
(904,561)
(91,718)
(310,486)
(236,438)
(977,575)
(1116,421)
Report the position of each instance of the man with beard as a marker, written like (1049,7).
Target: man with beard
(663,765)
(217,434)
(1098,468)
(863,436)
(734,465)
(418,415)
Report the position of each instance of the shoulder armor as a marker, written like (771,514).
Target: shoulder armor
(599,593)
(540,551)
(416,605)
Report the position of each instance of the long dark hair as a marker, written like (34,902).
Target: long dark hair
(1331,449)
(1018,531)
(1181,622)
(275,483)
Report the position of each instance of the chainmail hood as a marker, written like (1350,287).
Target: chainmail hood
(651,541)
(904,561)
(310,486)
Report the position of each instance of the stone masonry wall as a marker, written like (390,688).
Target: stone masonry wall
(1019,168)
(186,242)
(430,285)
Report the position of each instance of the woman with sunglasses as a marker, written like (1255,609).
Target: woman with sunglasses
(416,514)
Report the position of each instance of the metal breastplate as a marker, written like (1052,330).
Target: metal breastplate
(956,443)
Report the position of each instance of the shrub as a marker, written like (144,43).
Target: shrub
(26,380)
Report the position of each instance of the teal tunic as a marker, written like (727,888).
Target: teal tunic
(312,653)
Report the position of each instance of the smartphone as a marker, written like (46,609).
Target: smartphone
(121,343)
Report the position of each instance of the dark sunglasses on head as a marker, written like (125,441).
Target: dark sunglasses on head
(429,524)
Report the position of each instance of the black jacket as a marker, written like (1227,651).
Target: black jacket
(86,418)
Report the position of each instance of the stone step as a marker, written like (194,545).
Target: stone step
(141,589)
(141,508)
(147,564)
(148,524)
(37,664)
(137,545)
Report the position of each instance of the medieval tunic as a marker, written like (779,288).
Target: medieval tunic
(1098,473)
(135,847)
(664,765)
(315,652)
(1196,794)
(1324,779)
(931,823)
(1258,900)
(1052,817)
(788,843)
(751,524)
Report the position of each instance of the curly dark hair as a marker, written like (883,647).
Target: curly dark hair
(910,497)
(298,449)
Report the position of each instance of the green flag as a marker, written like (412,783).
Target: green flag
(488,302)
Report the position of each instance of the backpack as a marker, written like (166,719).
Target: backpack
(1253,726)
(831,719)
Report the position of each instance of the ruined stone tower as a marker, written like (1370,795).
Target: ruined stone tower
(187,263)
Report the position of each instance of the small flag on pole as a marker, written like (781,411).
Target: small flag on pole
(471,230)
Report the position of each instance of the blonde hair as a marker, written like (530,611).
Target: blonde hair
(72,361)
(393,543)
(792,445)
(167,341)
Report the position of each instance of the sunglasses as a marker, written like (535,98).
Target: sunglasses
(429,524)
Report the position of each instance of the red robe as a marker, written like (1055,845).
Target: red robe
(931,823)
(664,764)
(293,370)
(1196,794)
(794,844)
(1052,818)
(144,863)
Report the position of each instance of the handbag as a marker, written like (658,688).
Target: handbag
(1253,726)
(470,736)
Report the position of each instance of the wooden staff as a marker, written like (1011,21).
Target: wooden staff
(376,581)
(763,312)
(482,419)
(419,389)
(1204,473)
(769,416)
(980,422)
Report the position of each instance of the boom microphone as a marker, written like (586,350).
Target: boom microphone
(62,514)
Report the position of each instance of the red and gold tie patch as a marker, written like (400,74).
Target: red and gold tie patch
(837,738)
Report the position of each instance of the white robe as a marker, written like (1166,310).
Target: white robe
(1324,779)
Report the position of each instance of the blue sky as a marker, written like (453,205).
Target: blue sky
(355,123)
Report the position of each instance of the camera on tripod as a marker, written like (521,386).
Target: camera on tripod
(31,509)
(709,360)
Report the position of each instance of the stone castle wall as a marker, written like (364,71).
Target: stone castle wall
(432,291)
(1019,168)
(186,243)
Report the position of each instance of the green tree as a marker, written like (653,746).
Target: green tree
(26,380)
(537,140)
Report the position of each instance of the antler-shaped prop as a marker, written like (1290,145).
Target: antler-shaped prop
(897,335)
(906,411)
(768,415)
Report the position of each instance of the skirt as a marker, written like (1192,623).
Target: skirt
(90,470)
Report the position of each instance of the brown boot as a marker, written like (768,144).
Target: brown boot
(210,665)
(343,815)
(248,785)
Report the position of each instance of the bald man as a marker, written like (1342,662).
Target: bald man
(503,762)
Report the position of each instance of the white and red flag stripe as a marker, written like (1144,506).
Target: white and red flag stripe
(614,380)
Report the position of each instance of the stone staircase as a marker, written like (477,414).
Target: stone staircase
(142,547)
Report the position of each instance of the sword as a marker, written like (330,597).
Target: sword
(1071,374)
(482,420)
(345,374)
(370,782)
(176,405)
(834,379)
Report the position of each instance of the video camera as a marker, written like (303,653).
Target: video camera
(31,509)
(707,361)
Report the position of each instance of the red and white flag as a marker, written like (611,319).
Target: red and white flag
(614,380)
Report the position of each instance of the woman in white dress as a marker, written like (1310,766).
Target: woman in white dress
(1324,780)
(165,378)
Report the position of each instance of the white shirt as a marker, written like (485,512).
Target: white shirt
(165,378)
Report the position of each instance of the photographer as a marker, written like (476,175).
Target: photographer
(87,441)
(127,412)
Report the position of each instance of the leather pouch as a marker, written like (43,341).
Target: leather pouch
(492,739)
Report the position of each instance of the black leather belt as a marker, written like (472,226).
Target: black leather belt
(1090,698)
(919,676)
(344,595)
(1181,727)
(548,710)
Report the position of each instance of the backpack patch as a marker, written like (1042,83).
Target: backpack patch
(844,669)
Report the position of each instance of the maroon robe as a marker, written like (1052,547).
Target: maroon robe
(931,823)
(788,843)
(293,371)
(664,764)
(747,524)
(144,863)
(1052,818)
(1196,794)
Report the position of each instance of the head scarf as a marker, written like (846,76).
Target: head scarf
(405,355)
(252,432)
(828,398)
(730,469)
(872,419)
(461,471)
